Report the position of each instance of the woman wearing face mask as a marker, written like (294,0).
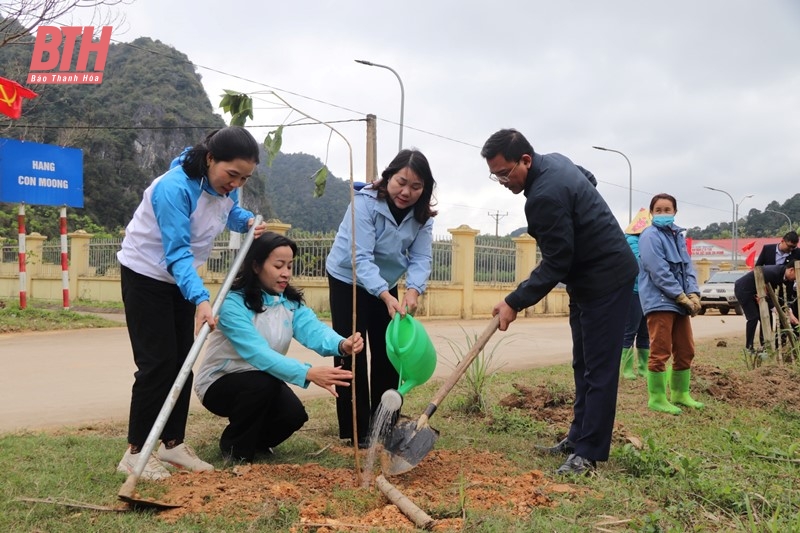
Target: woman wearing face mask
(393,237)
(669,294)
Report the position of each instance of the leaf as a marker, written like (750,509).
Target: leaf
(238,105)
(320,179)
(238,119)
(635,442)
(272,144)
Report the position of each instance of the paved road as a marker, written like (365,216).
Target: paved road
(68,378)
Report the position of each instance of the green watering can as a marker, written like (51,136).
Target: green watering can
(410,351)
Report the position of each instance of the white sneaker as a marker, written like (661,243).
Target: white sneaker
(153,471)
(181,456)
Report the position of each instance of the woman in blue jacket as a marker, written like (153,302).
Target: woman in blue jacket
(635,358)
(669,295)
(393,237)
(245,372)
(171,234)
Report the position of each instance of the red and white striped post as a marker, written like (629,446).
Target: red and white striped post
(23,296)
(64,259)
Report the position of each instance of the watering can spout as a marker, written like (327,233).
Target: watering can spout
(392,400)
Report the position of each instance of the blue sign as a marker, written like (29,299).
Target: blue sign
(40,174)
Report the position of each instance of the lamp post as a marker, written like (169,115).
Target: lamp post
(733,221)
(736,251)
(402,93)
(789,220)
(734,229)
(630,178)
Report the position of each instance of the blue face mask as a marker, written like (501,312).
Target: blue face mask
(663,220)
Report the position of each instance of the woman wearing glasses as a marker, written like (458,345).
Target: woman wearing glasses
(393,237)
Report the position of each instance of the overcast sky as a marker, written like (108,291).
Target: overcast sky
(693,92)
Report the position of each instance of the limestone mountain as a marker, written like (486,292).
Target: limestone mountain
(150,106)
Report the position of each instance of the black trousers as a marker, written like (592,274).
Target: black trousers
(262,411)
(597,331)
(752,314)
(161,329)
(372,320)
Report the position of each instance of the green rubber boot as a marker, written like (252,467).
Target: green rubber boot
(627,364)
(642,356)
(657,390)
(679,389)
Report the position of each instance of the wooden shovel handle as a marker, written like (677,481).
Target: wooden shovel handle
(459,371)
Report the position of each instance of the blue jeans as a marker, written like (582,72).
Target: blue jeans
(636,327)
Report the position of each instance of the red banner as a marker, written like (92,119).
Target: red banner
(751,259)
(11,95)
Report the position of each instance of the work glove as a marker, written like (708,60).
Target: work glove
(687,304)
(695,298)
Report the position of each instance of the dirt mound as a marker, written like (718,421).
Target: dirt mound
(483,481)
(765,387)
(542,403)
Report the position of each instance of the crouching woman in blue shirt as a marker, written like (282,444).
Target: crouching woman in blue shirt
(245,372)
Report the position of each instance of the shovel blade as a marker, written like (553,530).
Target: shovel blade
(145,503)
(406,446)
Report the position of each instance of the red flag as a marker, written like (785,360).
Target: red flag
(11,95)
(748,246)
(689,245)
(751,259)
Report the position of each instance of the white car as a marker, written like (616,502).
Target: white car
(717,292)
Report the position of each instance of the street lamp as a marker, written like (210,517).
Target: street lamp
(736,252)
(789,220)
(630,179)
(734,229)
(402,93)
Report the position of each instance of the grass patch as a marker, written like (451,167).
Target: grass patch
(732,466)
(46,316)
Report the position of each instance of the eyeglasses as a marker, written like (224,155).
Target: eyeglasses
(502,176)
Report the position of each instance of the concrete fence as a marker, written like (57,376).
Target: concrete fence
(459,297)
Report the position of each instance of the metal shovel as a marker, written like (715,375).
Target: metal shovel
(126,492)
(411,440)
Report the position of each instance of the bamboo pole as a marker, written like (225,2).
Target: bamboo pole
(783,320)
(763,308)
(420,518)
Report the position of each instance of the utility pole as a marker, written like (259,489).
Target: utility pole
(372,143)
(497,216)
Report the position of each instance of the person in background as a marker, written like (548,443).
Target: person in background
(780,253)
(635,358)
(582,246)
(170,235)
(746,294)
(245,372)
(393,237)
(670,295)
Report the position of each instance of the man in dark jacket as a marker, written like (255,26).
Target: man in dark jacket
(746,294)
(780,253)
(564,212)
